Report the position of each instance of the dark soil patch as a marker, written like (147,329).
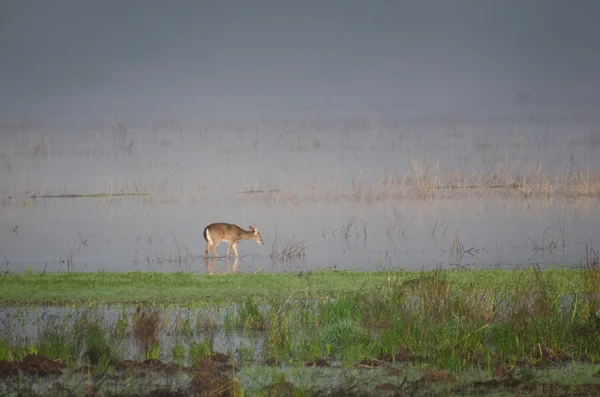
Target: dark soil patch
(222,362)
(536,389)
(386,386)
(31,365)
(158,393)
(503,371)
(394,371)
(401,355)
(211,379)
(509,383)
(437,376)
(342,393)
(151,365)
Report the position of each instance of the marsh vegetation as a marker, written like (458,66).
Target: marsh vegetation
(367,333)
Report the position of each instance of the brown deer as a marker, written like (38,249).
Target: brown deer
(215,233)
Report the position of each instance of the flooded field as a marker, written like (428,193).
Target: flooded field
(432,333)
(103,290)
(365,191)
(417,188)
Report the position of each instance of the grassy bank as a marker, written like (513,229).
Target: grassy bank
(488,329)
(166,288)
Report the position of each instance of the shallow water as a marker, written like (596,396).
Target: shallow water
(28,326)
(131,234)
(302,179)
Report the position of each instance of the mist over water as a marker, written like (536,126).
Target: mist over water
(70,60)
(313,120)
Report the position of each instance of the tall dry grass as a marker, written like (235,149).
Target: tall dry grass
(427,181)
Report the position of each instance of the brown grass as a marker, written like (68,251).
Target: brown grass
(211,379)
(497,173)
(146,328)
(426,181)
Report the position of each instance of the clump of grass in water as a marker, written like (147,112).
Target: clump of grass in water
(250,315)
(146,330)
(97,348)
(200,350)
(177,354)
(451,318)
(56,342)
(286,252)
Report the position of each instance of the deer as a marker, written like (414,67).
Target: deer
(215,233)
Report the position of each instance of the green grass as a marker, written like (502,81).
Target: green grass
(527,321)
(185,288)
(449,318)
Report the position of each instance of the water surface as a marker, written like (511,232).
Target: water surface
(344,188)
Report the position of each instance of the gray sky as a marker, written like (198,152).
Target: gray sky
(63,58)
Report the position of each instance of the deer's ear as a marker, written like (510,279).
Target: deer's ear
(251,227)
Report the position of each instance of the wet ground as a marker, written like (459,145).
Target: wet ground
(217,376)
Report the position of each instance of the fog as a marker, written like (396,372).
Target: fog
(68,60)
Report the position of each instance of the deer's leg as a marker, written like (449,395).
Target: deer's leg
(229,248)
(235,249)
(210,247)
(213,249)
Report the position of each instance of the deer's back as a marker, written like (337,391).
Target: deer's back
(223,231)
